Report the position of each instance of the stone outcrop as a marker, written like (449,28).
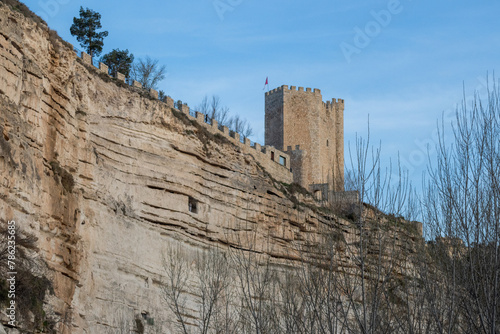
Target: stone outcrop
(107,179)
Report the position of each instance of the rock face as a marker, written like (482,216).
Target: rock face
(108,179)
(104,178)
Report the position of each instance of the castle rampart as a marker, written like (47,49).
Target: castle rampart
(296,117)
(275,161)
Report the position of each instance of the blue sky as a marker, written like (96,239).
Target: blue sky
(402,62)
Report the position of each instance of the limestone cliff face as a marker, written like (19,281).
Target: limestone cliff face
(105,178)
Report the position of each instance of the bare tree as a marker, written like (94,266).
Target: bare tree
(311,293)
(463,215)
(240,125)
(372,287)
(209,274)
(213,276)
(258,285)
(148,72)
(177,272)
(214,109)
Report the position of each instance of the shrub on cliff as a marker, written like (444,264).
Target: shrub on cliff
(148,72)
(214,110)
(118,61)
(20,7)
(30,286)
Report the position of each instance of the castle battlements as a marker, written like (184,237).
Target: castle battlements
(312,131)
(278,93)
(286,88)
(334,105)
(290,149)
(274,160)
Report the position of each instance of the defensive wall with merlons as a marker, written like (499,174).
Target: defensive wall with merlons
(275,161)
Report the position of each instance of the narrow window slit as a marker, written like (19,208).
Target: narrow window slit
(193,205)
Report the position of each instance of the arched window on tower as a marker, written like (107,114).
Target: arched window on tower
(327,143)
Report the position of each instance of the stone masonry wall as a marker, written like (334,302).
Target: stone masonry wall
(331,141)
(274,119)
(298,157)
(273,159)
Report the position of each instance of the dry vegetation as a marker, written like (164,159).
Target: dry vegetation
(31,285)
(382,277)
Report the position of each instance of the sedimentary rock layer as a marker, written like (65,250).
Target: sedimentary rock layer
(108,179)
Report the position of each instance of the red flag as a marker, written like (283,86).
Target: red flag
(267,83)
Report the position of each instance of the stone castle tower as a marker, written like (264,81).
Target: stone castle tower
(311,131)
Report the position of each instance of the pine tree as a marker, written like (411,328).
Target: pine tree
(85,29)
(118,61)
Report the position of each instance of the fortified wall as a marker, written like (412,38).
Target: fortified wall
(274,160)
(304,136)
(311,132)
(109,181)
